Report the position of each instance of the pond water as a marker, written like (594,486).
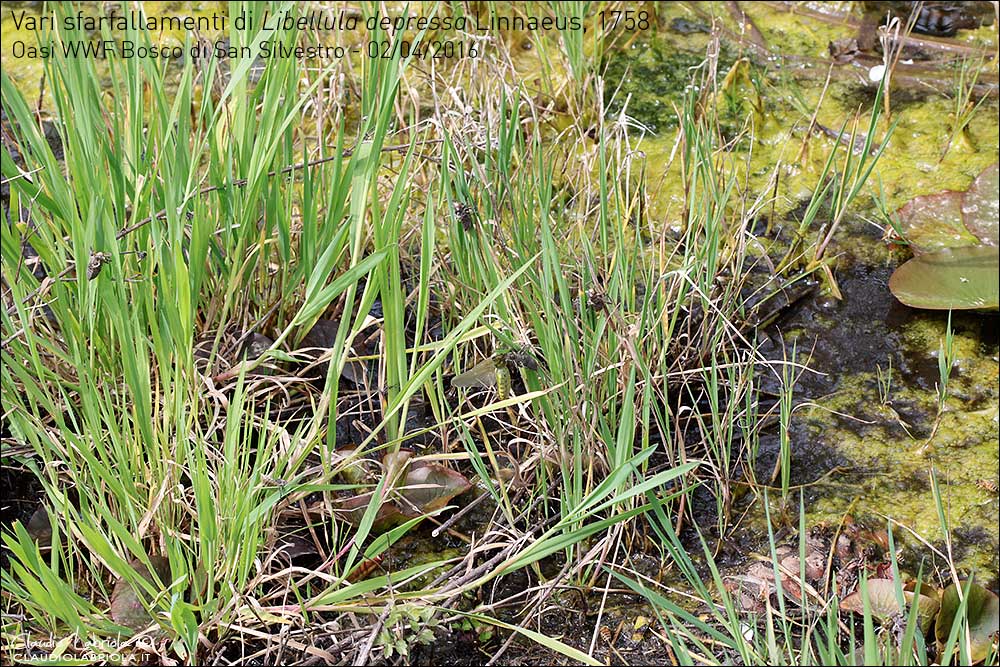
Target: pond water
(860,446)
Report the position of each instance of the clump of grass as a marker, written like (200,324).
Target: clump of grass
(135,395)
(946,362)
(154,435)
(838,187)
(966,78)
(815,633)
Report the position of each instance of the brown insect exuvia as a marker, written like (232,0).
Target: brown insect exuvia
(96,263)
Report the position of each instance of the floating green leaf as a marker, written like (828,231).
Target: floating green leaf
(958,278)
(981,206)
(950,219)
(931,223)
(954,236)
(983,615)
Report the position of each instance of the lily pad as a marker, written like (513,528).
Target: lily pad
(982,612)
(884,604)
(126,605)
(981,206)
(950,219)
(931,223)
(954,236)
(958,278)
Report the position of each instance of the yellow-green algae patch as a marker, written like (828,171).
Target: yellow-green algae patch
(776,144)
(896,459)
(890,461)
(895,431)
(917,158)
(962,453)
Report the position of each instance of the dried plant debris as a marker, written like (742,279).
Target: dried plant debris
(828,560)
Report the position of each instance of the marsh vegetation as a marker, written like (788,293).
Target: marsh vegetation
(578,349)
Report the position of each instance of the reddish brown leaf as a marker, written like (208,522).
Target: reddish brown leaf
(126,606)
